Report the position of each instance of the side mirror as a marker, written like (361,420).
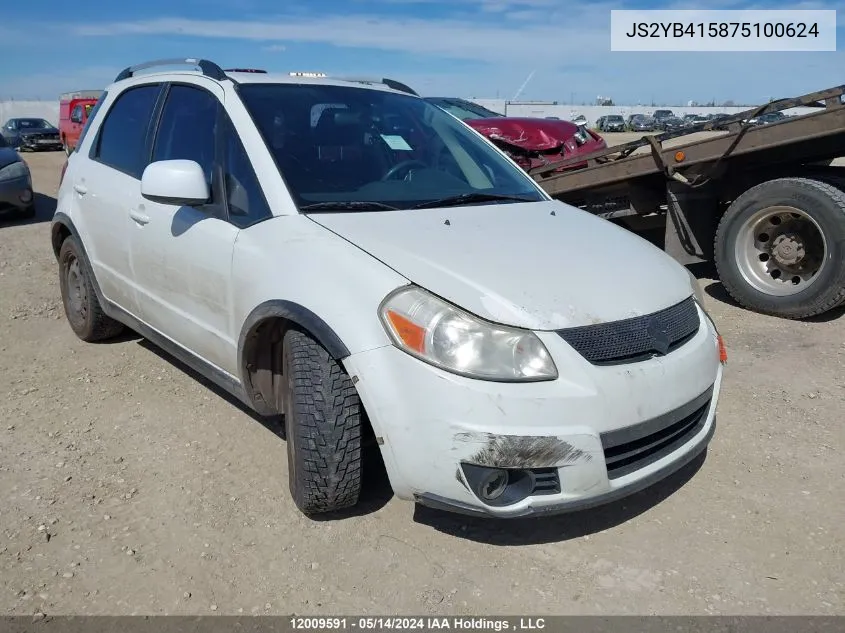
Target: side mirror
(176,182)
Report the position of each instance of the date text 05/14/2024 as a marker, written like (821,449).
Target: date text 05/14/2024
(432,623)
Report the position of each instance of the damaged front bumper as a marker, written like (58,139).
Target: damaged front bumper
(594,435)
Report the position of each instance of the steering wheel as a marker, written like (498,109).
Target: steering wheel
(404,165)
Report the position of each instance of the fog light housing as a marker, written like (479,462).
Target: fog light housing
(26,196)
(493,484)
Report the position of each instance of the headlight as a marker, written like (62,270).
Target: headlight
(14,171)
(445,336)
(581,136)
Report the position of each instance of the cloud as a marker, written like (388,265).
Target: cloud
(274,48)
(50,85)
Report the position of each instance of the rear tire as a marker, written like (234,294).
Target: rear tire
(323,423)
(82,309)
(780,248)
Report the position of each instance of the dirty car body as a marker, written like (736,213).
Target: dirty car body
(493,383)
(528,141)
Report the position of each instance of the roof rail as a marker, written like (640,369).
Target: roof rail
(209,69)
(390,83)
(245,70)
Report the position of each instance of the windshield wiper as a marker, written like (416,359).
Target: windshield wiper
(348,205)
(469,198)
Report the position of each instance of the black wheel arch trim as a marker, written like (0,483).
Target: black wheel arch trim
(60,220)
(301,316)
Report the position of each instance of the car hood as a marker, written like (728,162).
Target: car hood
(526,133)
(541,265)
(8,156)
(41,130)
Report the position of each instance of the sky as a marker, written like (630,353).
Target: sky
(464,48)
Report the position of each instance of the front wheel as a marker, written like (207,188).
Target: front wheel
(323,427)
(780,248)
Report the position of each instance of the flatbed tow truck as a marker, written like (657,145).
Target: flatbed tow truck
(762,202)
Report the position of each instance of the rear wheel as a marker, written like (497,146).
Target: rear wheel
(323,423)
(82,309)
(780,248)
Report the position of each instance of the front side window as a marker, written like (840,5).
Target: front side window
(187,127)
(374,146)
(123,135)
(244,197)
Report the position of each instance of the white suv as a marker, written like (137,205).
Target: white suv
(350,256)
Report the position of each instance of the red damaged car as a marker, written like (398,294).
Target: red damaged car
(530,142)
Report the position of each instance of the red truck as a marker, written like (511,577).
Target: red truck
(73,113)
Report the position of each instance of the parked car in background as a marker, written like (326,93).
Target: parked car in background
(640,123)
(688,118)
(74,109)
(31,134)
(670,124)
(16,196)
(612,123)
(530,142)
(767,119)
(659,115)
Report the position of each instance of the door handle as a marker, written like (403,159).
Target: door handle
(140,218)
(80,189)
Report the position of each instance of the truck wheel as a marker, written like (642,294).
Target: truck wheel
(82,309)
(780,248)
(323,427)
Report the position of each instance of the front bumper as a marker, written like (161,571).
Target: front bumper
(16,195)
(431,425)
(40,144)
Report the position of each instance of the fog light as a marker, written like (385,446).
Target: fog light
(26,196)
(493,484)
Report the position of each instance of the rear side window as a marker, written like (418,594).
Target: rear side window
(187,128)
(122,140)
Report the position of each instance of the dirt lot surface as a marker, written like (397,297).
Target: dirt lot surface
(129,487)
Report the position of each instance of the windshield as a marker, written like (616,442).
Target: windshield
(33,124)
(615,118)
(463,109)
(339,144)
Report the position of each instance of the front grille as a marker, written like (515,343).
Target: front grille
(635,339)
(634,447)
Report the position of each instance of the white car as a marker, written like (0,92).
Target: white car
(348,255)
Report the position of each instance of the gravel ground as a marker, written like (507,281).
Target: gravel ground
(127,486)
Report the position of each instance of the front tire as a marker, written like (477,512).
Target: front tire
(780,248)
(83,311)
(323,423)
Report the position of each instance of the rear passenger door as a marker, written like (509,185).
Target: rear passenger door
(104,192)
(182,255)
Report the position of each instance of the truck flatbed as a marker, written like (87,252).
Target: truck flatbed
(616,164)
(761,201)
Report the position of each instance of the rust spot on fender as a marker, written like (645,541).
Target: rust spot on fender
(522,451)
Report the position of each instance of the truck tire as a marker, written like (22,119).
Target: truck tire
(323,423)
(780,248)
(82,308)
